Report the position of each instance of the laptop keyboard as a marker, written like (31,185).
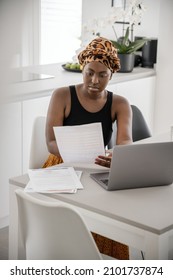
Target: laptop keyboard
(105,181)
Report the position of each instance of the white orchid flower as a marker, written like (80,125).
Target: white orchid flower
(132,14)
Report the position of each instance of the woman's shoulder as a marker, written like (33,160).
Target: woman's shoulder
(61,91)
(118,99)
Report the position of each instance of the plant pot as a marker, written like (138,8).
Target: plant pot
(127,62)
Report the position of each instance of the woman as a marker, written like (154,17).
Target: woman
(90,102)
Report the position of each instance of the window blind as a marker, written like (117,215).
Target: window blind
(60,30)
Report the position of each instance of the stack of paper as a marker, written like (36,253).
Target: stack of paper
(59,180)
(80,143)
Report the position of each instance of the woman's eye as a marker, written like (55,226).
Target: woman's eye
(89,73)
(100,75)
(103,75)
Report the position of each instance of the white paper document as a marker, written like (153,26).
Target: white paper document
(60,180)
(80,143)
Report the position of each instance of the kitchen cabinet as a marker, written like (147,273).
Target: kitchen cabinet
(10,151)
(140,92)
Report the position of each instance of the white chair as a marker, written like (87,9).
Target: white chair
(51,230)
(38,149)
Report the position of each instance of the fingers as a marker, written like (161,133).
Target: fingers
(106,158)
(103,161)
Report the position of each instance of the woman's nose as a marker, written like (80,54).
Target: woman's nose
(95,79)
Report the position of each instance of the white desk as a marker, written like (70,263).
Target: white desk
(141,218)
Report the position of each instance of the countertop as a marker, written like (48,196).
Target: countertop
(39,88)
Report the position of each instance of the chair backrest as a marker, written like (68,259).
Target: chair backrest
(38,148)
(140,129)
(50,230)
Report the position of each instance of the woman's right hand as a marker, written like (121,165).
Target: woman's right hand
(104,160)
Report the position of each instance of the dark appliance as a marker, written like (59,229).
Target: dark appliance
(149,53)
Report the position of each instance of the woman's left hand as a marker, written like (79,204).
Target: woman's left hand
(104,160)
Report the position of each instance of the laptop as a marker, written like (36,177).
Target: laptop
(138,166)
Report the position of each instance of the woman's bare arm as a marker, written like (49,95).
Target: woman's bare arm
(124,121)
(121,110)
(57,111)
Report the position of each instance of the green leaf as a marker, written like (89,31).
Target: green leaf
(126,37)
(136,45)
(129,47)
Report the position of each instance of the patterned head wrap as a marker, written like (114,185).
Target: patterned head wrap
(101,50)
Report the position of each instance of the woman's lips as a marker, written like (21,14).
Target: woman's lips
(93,88)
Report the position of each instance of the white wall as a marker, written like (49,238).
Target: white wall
(164,88)
(19,32)
(11,18)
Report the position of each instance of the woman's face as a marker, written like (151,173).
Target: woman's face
(96,77)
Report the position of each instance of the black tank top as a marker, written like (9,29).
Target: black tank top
(78,115)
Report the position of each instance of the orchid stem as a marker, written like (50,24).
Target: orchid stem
(115,32)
